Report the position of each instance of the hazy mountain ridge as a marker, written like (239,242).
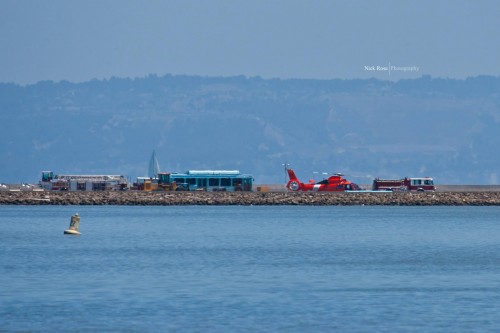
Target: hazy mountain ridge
(445,128)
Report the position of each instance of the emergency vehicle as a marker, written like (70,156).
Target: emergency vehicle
(403,185)
(334,183)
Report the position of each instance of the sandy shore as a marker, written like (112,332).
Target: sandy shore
(136,198)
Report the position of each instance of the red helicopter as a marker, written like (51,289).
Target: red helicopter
(334,183)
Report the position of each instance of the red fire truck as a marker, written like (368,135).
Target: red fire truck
(407,184)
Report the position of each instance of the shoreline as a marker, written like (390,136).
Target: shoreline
(138,198)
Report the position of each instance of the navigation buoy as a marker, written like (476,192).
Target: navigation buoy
(73,225)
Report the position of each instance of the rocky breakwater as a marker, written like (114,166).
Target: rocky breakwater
(136,198)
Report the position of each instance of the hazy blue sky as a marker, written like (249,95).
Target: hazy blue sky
(78,40)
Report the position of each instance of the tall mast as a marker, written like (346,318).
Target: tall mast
(154,166)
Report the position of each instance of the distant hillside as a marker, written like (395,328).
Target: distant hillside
(448,129)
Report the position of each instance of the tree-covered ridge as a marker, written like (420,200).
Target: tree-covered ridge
(444,128)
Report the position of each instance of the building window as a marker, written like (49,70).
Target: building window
(98,186)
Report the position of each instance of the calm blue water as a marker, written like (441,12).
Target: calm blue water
(250,269)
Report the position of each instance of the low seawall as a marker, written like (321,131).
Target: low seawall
(137,198)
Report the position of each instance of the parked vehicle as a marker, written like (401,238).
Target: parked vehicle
(334,183)
(403,185)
